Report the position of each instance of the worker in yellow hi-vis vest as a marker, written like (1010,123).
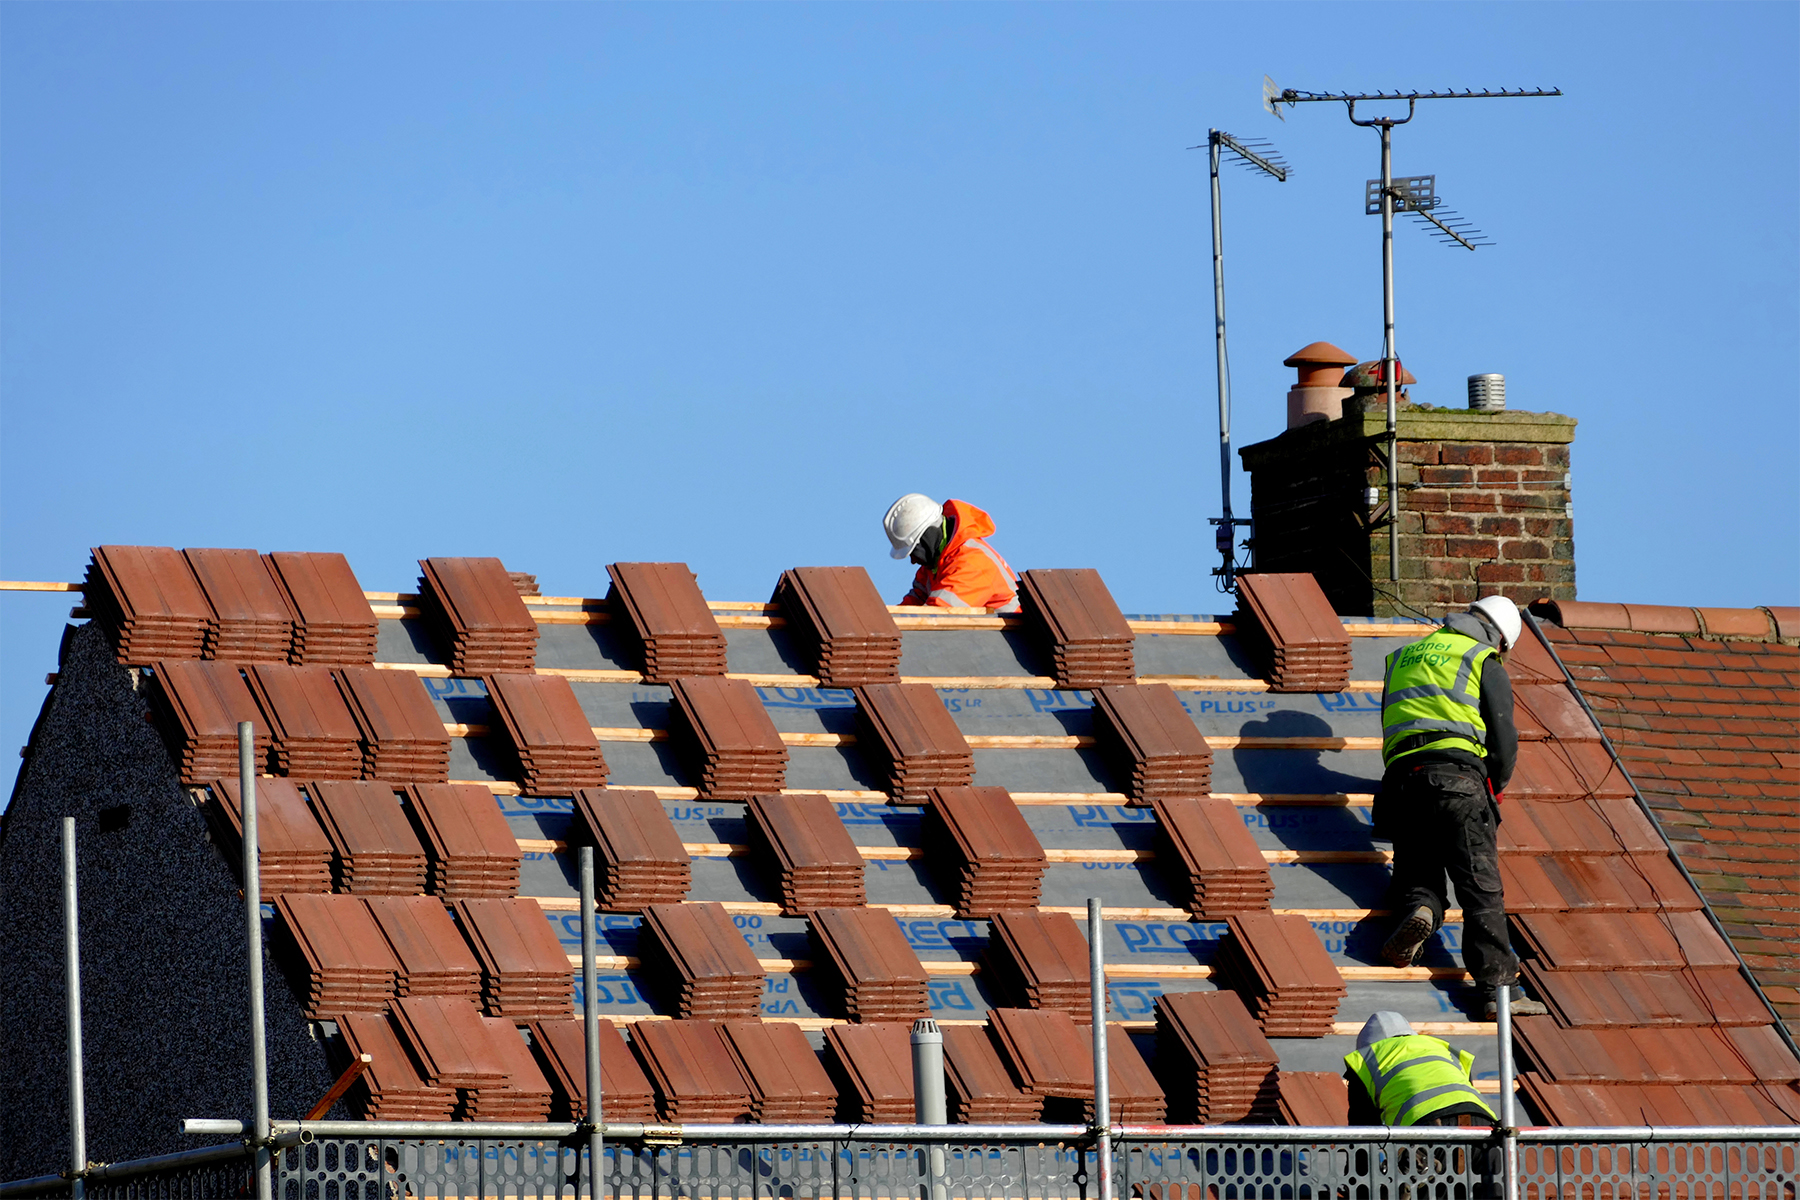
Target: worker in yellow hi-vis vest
(1398,1077)
(1449,744)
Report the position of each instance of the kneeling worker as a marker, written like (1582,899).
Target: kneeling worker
(957,568)
(1398,1077)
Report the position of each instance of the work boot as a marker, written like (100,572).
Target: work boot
(1403,944)
(1519,1006)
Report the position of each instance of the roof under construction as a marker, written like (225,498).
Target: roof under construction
(818,817)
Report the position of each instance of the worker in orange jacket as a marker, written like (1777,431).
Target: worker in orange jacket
(957,568)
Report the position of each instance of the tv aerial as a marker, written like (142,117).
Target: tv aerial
(1262,159)
(1412,194)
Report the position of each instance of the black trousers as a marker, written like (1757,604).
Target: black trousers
(1444,827)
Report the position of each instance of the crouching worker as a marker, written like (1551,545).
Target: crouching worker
(957,567)
(1398,1077)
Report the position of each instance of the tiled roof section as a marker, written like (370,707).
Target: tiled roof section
(843,630)
(1090,643)
(474,612)
(1703,707)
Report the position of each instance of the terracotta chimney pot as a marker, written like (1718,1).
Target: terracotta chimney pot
(1320,364)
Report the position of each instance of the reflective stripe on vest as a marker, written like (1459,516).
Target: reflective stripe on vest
(1434,686)
(1413,1076)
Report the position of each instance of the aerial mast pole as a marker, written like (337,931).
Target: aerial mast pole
(1259,157)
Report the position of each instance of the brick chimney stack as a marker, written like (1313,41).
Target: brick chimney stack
(1484,504)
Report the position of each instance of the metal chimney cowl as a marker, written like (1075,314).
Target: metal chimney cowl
(1317,395)
(1487,393)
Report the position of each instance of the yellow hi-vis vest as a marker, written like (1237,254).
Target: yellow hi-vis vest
(1434,687)
(1413,1076)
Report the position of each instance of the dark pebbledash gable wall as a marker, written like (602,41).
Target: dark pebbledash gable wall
(165,1000)
(1484,508)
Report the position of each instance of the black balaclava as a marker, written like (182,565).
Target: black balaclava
(931,543)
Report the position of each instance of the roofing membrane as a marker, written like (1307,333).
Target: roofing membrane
(782,863)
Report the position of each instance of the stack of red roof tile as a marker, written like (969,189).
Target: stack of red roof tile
(725,737)
(695,952)
(403,737)
(1709,996)
(525,1096)
(198,706)
(434,960)
(1053,1059)
(803,840)
(980,843)
(981,1089)
(392,1087)
(295,853)
(334,945)
(866,959)
(453,1045)
(314,735)
(542,723)
(910,740)
(1621,941)
(665,613)
(840,625)
(251,618)
(1280,968)
(1049,1056)
(524,583)
(474,612)
(1316,1098)
(788,1085)
(1215,1064)
(694,1076)
(148,602)
(1204,849)
(333,623)
(1292,633)
(873,1067)
(524,970)
(640,859)
(1090,642)
(1039,960)
(470,850)
(561,1048)
(1152,742)
(375,851)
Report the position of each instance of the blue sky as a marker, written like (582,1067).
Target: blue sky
(576,283)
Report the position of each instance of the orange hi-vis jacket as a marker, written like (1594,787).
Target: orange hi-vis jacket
(969,573)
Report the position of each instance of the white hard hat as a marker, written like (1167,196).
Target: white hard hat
(908,519)
(1381,1026)
(1505,616)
